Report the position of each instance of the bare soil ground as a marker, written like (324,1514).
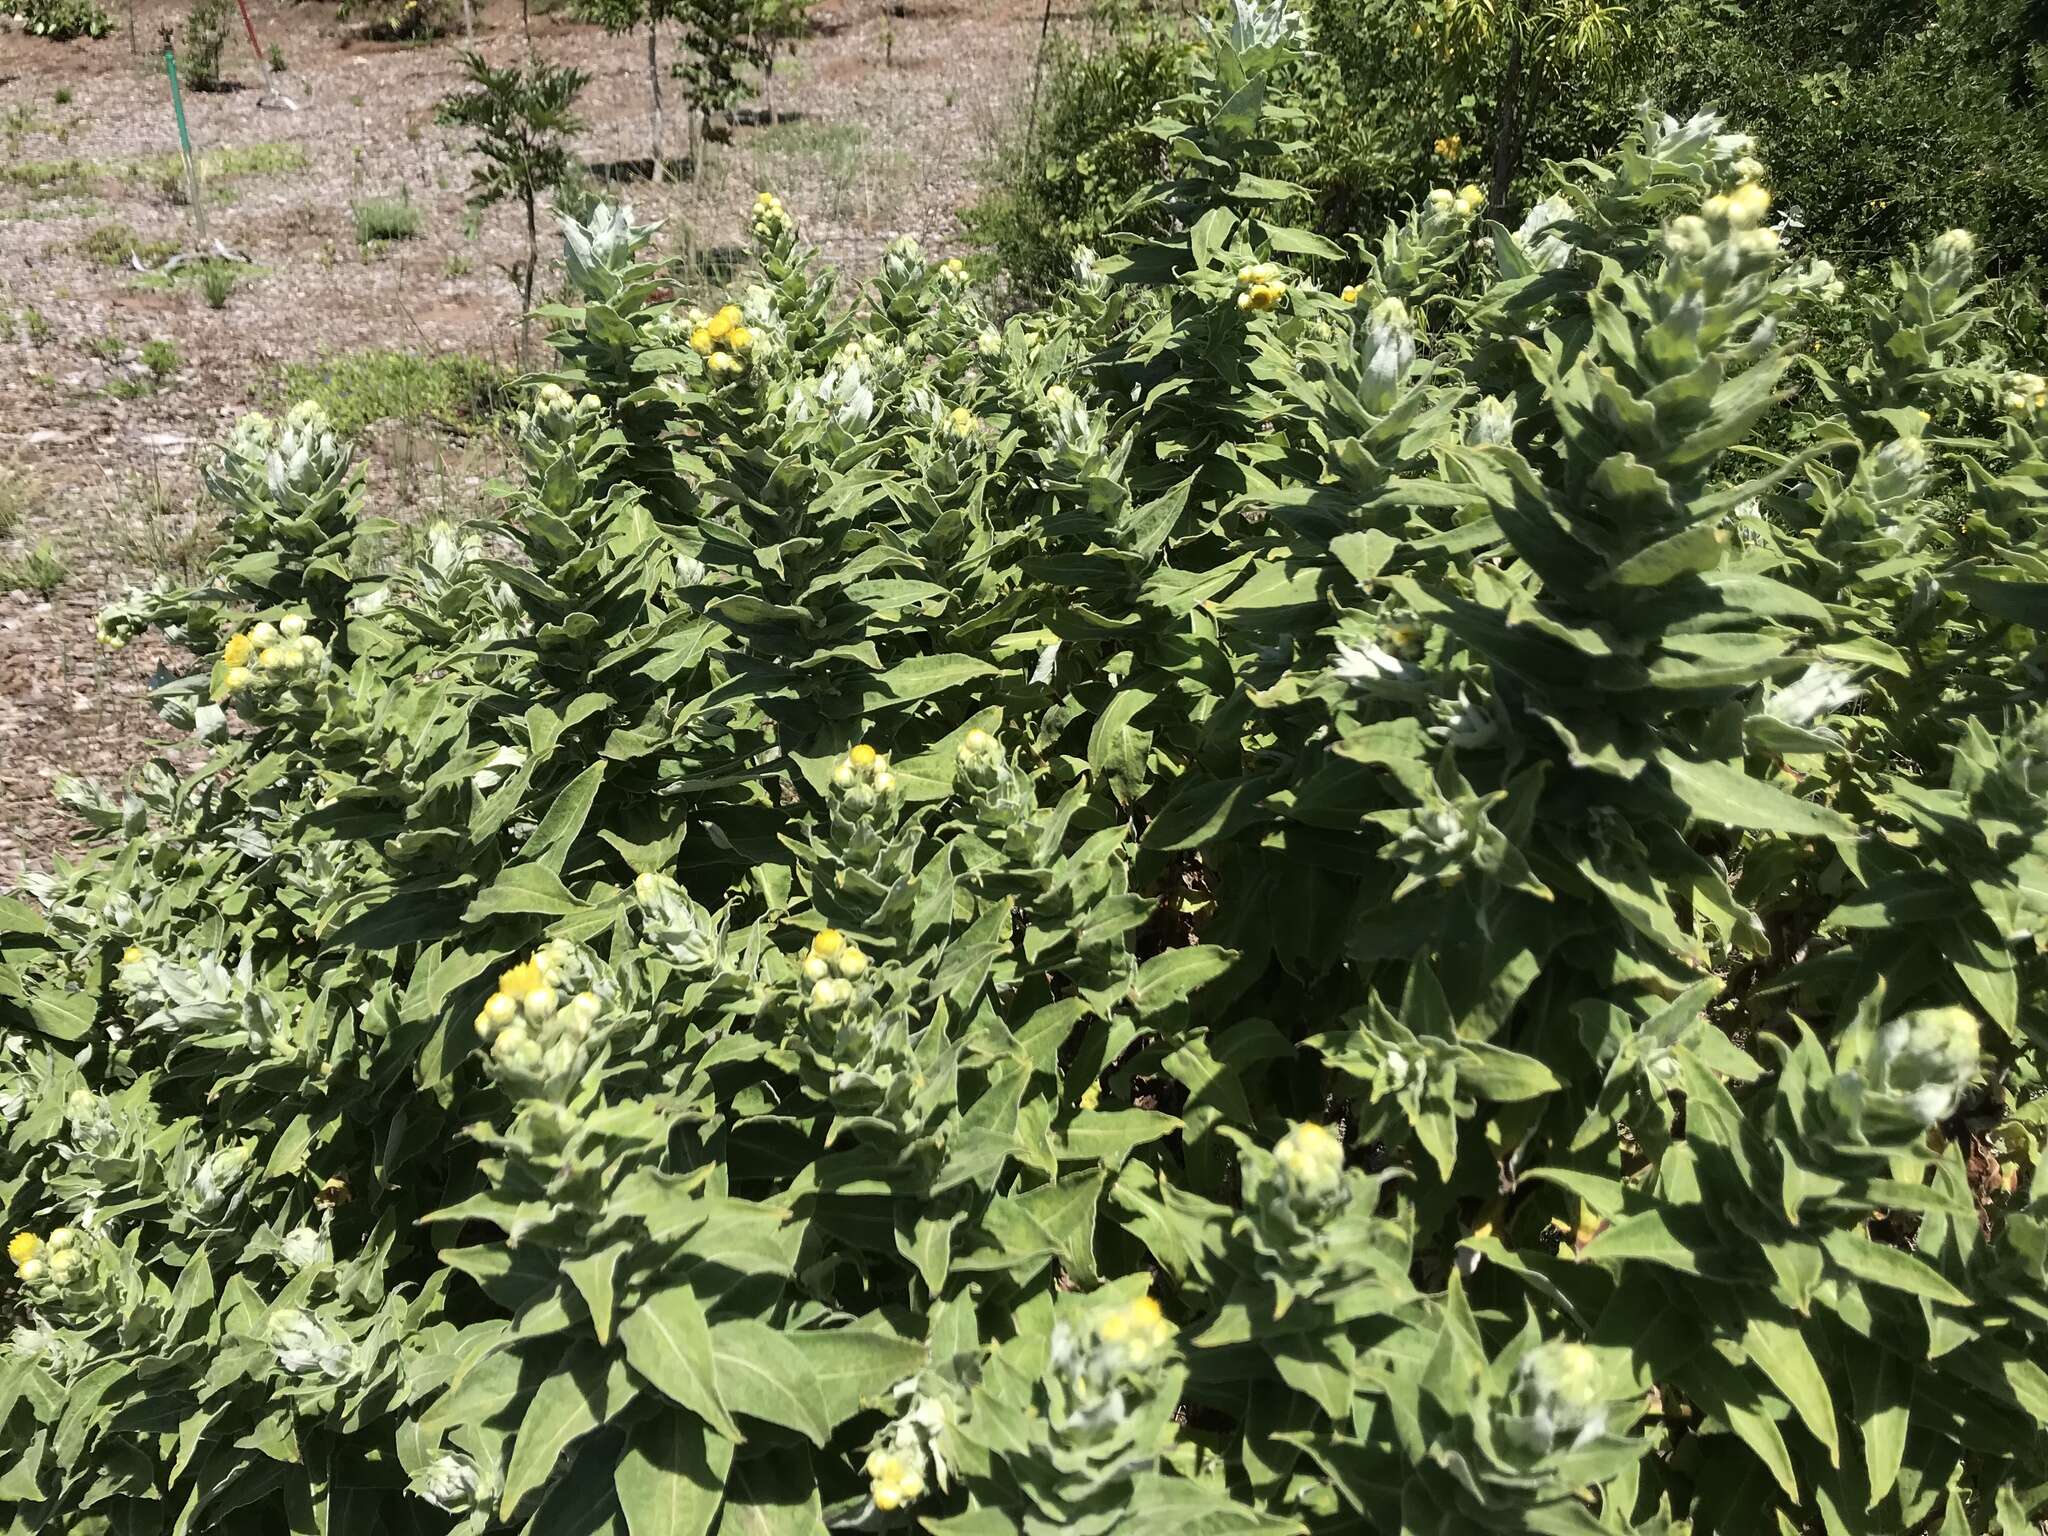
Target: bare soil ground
(886,119)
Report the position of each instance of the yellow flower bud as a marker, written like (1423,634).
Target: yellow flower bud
(862,757)
(24,1246)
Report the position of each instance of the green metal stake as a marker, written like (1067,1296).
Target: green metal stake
(194,189)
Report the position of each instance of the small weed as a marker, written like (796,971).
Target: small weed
(358,389)
(63,96)
(386,218)
(194,273)
(114,245)
(35,327)
(458,265)
(217,281)
(50,178)
(42,571)
(108,348)
(219,165)
(277,65)
(166,530)
(19,491)
(161,358)
(19,121)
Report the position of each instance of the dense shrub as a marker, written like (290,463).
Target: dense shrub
(1883,123)
(1070,179)
(58,20)
(206,41)
(1224,908)
(1397,95)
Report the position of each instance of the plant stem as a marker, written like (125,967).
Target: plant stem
(654,84)
(1507,135)
(532,260)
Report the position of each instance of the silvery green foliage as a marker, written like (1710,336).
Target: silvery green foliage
(599,253)
(1294,895)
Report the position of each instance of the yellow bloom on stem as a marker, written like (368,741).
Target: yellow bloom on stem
(700,340)
(237,652)
(827,942)
(862,756)
(523,978)
(893,1479)
(24,1246)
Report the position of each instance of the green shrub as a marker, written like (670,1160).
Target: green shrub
(402,21)
(386,218)
(58,20)
(206,41)
(1085,158)
(1220,908)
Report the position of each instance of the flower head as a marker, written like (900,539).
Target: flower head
(1312,1158)
(895,1477)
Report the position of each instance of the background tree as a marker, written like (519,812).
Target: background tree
(716,56)
(620,16)
(523,118)
(777,24)
(1520,55)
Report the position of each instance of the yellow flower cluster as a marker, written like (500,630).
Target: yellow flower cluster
(864,766)
(1350,293)
(894,1479)
(723,341)
(832,965)
(953,273)
(2026,394)
(57,1256)
(770,217)
(268,652)
(962,422)
(1451,148)
(1136,1333)
(529,995)
(1260,286)
(1743,208)
(1312,1158)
